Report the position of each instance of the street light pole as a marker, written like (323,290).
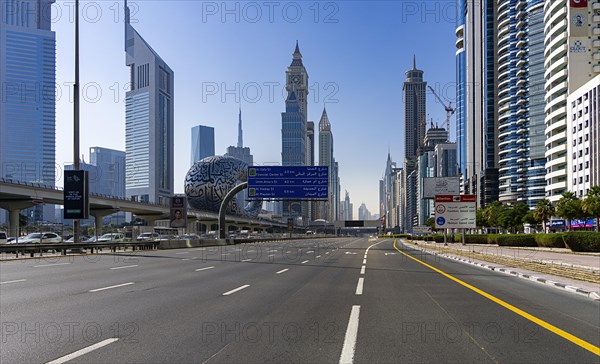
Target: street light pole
(76,113)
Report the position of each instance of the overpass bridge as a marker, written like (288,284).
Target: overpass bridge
(18,195)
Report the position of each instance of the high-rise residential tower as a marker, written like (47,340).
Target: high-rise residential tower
(571,58)
(521,101)
(28,107)
(149,140)
(583,126)
(203,143)
(476,94)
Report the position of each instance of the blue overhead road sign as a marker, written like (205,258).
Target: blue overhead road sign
(288,182)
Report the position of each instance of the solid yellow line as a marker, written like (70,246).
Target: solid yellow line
(574,339)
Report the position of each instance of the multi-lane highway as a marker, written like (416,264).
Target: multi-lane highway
(313,301)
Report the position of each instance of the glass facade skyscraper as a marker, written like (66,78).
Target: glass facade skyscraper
(28,107)
(293,145)
(148,121)
(203,143)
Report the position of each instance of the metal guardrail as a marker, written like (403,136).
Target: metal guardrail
(31,249)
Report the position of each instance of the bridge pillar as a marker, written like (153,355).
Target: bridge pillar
(98,214)
(14,207)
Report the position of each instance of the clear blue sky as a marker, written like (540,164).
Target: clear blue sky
(355,52)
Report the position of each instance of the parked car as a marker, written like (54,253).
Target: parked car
(41,238)
(3,237)
(82,238)
(167,237)
(111,237)
(148,236)
(189,237)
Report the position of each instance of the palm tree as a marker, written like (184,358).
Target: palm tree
(591,204)
(569,207)
(543,211)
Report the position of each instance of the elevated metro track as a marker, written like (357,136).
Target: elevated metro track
(17,195)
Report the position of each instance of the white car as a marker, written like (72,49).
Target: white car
(41,238)
(111,237)
(148,236)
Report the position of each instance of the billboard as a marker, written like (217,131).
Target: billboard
(455,211)
(76,195)
(178,211)
(440,186)
(288,182)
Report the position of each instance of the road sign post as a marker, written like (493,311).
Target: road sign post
(455,211)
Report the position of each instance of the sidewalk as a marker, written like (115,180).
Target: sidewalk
(561,268)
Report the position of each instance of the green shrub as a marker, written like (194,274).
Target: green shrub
(438,238)
(516,240)
(472,238)
(550,240)
(582,241)
(493,238)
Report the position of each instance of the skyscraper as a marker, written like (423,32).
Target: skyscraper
(414,89)
(28,107)
(293,145)
(461,90)
(148,121)
(111,171)
(203,143)
(296,78)
(310,143)
(520,101)
(363,212)
(571,60)
(476,94)
(583,130)
(328,210)
(240,152)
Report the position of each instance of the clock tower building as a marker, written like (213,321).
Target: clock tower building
(297,80)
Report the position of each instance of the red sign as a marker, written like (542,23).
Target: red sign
(578,3)
(455,198)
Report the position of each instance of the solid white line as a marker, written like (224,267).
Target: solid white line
(359,286)
(283,270)
(350,338)
(104,288)
(362,270)
(49,265)
(83,351)
(185,259)
(15,281)
(364,261)
(124,266)
(306,261)
(205,268)
(235,290)
(246,260)
(182,253)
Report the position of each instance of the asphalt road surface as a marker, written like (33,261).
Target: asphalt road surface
(307,301)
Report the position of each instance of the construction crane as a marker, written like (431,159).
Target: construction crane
(449,110)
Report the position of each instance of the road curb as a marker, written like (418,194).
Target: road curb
(573,289)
